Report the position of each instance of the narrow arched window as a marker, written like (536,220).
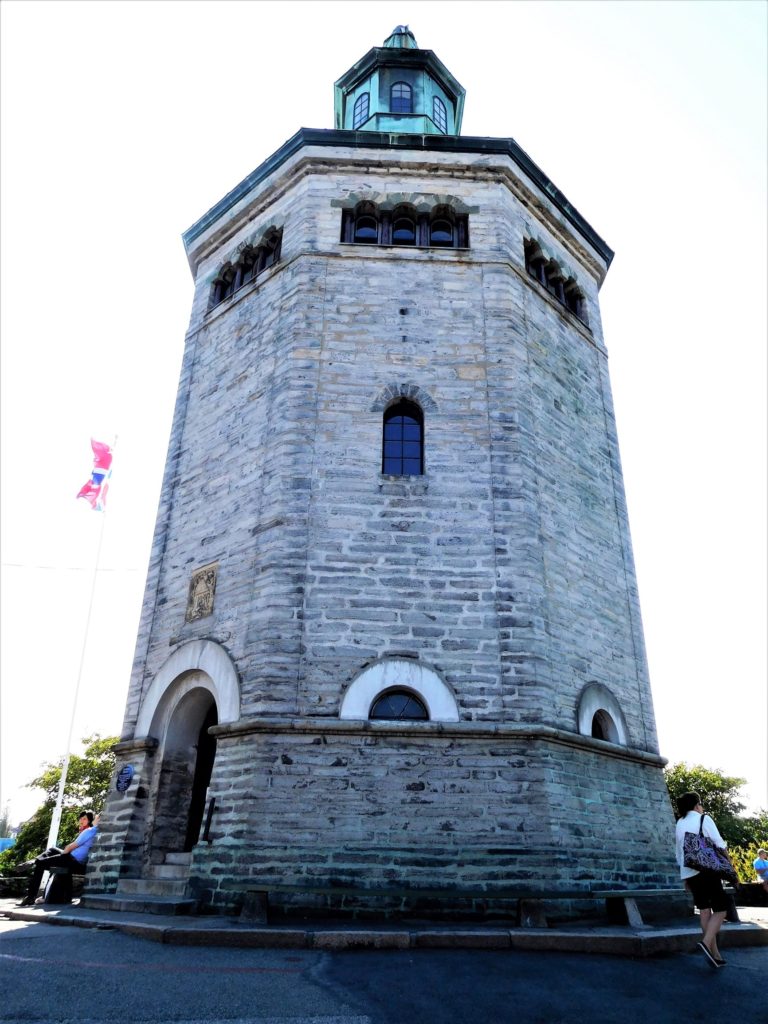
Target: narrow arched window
(442,227)
(574,300)
(441,233)
(400,98)
(555,279)
(439,114)
(269,250)
(249,265)
(360,110)
(399,705)
(224,286)
(534,262)
(403,440)
(403,227)
(366,224)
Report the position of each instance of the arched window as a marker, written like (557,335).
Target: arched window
(360,110)
(599,715)
(555,280)
(441,232)
(400,98)
(439,114)
(224,285)
(534,262)
(269,250)
(548,272)
(399,705)
(248,265)
(442,227)
(366,224)
(575,302)
(395,676)
(403,226)
(403,441)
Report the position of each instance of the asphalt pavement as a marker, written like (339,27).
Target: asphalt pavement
(100,975)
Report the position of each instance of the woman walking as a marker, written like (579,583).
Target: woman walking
(705,886)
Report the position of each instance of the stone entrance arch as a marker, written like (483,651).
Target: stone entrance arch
(195,689)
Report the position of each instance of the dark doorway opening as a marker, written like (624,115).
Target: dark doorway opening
(206,754)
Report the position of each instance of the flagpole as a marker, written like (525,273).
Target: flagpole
(53,833)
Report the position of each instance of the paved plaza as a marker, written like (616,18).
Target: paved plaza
(101,975)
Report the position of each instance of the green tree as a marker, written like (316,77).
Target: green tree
(720,796)
(88,778)
(5,824)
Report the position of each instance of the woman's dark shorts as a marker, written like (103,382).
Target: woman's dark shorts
(707,891)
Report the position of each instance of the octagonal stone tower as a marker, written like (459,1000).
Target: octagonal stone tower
(391,630)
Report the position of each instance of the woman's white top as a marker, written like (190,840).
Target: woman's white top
(690,823)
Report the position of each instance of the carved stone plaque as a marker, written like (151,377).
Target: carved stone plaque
(202,587)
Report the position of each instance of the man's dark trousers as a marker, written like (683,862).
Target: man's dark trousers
(53,858)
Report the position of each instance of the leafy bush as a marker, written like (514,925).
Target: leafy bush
(743,858)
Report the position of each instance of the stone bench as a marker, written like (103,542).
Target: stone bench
(621,905)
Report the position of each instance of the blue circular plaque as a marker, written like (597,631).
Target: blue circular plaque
(124,777)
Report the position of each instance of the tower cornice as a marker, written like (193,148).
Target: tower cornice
(327,137)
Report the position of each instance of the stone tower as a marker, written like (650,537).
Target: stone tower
(391,629)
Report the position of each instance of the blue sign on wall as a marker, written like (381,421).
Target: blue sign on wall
(124,777)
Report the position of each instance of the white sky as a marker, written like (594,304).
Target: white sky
(123,122)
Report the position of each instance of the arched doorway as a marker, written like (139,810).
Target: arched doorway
(184,774)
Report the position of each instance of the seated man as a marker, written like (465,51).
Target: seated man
(73,856)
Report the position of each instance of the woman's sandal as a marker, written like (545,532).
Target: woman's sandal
(713,960)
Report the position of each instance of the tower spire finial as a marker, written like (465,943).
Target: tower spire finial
(401,38)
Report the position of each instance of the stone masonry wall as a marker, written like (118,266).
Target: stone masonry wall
(506,567)
(385,808)
(317,551)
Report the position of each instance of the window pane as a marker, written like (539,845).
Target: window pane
(441,233)
(366,229)
(360,113)
(393,449)
(393,466)
(405,232)
(411,467)
(414,709)
(400,706)
(393,429)
(400,98)
(439,114)
(411,450)
(411,430)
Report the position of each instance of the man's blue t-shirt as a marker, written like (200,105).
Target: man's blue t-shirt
(84,843)
(761,867)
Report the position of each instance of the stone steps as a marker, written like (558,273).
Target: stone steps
(162,891)
(178,858)
(140,903)
(152,887)
(171,872)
